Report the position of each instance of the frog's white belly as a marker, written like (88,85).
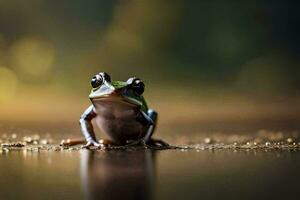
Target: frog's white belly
(119,121)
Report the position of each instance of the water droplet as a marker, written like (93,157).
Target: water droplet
(207,140)
(36,137)
(267,143)
(27,139)
(13,136)
(24,152)
(289,140)
(44,141)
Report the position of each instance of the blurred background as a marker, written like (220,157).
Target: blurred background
(200,60)
(214,70)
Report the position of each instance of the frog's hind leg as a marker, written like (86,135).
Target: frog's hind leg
(71,142)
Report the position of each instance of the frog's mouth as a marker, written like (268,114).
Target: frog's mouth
(116,97)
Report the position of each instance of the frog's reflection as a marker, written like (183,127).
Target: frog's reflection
(117,174)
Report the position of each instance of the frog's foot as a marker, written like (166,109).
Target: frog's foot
(93,143)
(157,143)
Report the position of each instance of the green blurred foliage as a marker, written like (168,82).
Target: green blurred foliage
(249,46)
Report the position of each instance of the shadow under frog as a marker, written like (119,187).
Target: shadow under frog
(117,174)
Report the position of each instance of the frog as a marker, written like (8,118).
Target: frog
(120,111)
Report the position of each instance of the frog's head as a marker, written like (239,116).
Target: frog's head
(105,89)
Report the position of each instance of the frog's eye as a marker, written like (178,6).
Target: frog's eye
(96,81)
(137,85)
(99,79)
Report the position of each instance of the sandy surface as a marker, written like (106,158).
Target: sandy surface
(213,160)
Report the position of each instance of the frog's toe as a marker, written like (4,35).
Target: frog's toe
(87,145)
(158,143)
(92,144)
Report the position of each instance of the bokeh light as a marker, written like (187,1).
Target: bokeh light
(32,56)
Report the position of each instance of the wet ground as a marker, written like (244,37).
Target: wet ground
(208,160)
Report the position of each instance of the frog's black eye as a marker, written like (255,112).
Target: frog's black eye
(96,81)
(137,85)
(99,79)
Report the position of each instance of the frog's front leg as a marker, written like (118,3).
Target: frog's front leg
(87,130)
(151,117)
(87,127)
(148,138)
